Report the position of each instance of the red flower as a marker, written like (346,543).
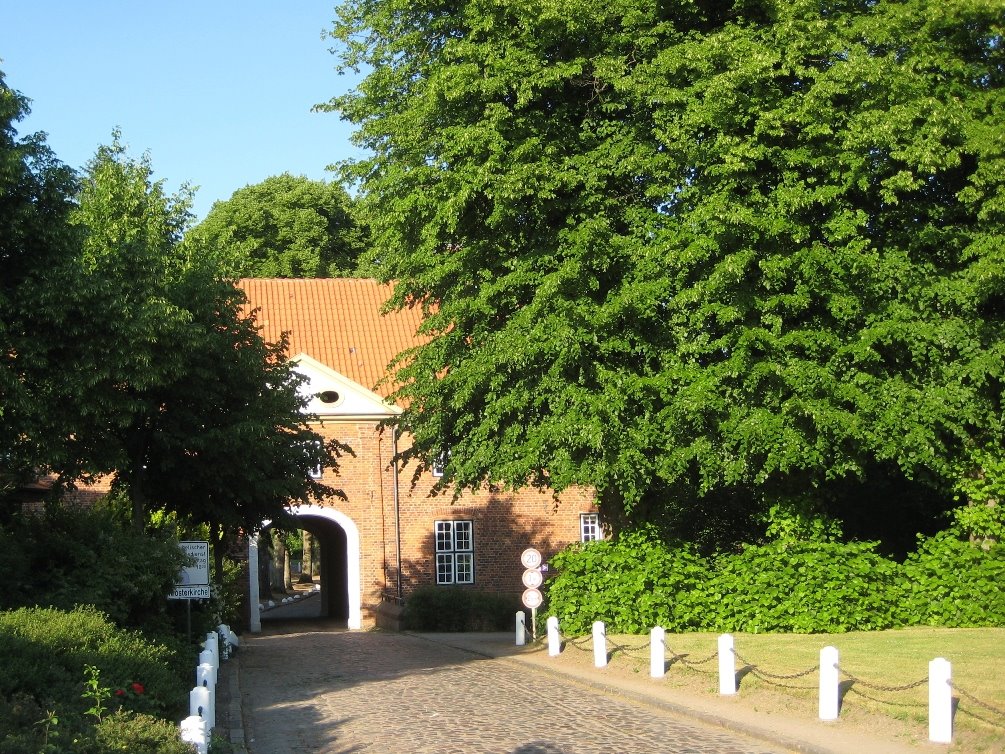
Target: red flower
(120,692)
(137,688)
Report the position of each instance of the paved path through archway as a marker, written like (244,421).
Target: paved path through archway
(340,691)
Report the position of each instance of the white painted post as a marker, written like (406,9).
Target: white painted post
(830,679)
(212,643)
(554,640)
(193,731)
(657,652)
(254,599)
(200,702)
(727,666)
(521,628)
(205,675)
(940,701)
(599,644)
(207,657)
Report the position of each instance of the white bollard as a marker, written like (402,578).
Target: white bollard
(940,701)
(200,702)
(212,643)
(194,731)
(207,656)
(554,640)
(205,675)
(599,644)
(830,683)
(727,666)
(657,652)
(521,628)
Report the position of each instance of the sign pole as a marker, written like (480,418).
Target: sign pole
(533,624)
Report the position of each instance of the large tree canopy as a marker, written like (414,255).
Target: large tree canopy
(138,355)
(285,226)
(36,193)
(680,249)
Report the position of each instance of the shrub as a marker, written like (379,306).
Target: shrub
(632,583)
(805,587)
(453,609)
(951,582)
(135,733)
(67,557)
(44,653)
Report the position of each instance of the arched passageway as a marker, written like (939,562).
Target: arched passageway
(339,571)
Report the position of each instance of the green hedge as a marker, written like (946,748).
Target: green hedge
(45,652)
(636,582)
(440,608)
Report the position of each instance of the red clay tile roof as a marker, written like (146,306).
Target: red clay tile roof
(336,321)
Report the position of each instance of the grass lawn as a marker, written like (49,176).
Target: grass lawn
(871,659)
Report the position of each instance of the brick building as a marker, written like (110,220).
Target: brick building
(391,534)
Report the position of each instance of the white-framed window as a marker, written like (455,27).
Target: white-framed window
(317,472)
(455,552)
(589,527)
(438,463)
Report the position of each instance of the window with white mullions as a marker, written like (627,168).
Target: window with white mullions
(589,527)
(455,557)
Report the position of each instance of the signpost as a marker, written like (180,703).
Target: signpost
(532,578)
(193,579)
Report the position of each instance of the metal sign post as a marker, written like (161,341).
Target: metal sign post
(532,578)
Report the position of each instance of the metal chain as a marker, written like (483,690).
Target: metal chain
(881,687)
(692,663)
(755,669)
(971,698)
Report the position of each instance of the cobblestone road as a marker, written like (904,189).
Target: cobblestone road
(341,692)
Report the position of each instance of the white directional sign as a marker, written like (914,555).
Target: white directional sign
(193,579)
(532,598)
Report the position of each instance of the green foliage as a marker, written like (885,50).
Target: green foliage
(437,608)
(284,227)
(46,654)
(688,247)
(804,587)
(632,583)
(136,733)
(951,582)
(36,193)
(809,585)
(69,556)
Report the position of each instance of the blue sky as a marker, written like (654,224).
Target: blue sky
(218,91)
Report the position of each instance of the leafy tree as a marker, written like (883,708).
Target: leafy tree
(689,252)
(173,390)
(285,226)
(36,193)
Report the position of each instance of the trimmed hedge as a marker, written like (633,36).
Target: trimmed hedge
(44,653)
(451,609)
(636,582)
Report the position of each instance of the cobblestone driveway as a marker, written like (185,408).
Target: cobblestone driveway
(340,692)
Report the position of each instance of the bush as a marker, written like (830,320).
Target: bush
(454,609)
(805,587)
(44,653)
(632,583)
(135,733)
(68,557)
(951,582)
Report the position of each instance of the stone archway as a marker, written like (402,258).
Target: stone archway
(353,590)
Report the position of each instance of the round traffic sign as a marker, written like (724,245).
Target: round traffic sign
(530,558)
(532,598)
(532,578)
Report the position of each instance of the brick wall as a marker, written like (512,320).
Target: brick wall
(504,523)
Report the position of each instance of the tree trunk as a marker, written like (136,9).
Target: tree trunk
(307,565)
(282,561)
